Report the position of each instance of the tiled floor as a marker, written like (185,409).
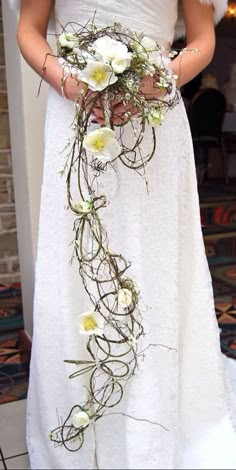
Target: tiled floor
(13,453)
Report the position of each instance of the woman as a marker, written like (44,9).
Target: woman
(160,232)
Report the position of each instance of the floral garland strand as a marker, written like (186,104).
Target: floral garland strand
(112,61)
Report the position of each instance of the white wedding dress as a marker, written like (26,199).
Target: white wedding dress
(160,233)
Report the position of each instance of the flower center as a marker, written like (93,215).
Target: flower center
(90,323)
(99,144)
(99,76)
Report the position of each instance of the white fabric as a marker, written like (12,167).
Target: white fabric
(220,7)
(160,234)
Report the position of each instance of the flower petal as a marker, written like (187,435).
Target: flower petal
(97,75)
(67,40)
(125,297)
(148,44)
(102,144)
(84,207)
(119,65)
(80,420)
(113,149)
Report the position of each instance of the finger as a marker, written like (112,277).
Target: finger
(97,120)
(124,111)
(120,120)
(98,113)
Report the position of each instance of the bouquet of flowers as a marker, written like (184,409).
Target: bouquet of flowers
(112,63)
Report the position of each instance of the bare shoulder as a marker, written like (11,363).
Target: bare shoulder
(198,17)
(36,13)
(192,7)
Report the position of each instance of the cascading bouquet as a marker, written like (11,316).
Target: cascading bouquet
(113,62)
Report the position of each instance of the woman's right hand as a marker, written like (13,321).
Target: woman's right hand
(75,91)
(72,89)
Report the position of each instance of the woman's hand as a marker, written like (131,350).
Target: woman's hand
(150,90)
(121,113)
(72,89)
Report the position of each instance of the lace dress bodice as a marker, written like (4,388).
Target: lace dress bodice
(156,19)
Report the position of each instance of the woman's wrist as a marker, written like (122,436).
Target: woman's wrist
(71,88)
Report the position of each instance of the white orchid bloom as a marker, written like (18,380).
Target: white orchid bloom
(148,44)
(80,419)
(113,52)
(67,40)
(125,297)
(90,323)
(102,144)
(147,50)
(84,207)
(97,75)
(120,64)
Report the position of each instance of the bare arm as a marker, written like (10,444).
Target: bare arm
(200,35)
(32,32)
(31,35)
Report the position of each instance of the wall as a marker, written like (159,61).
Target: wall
(27,114)
(9,260)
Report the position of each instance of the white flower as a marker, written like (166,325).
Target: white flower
(84,207)
(119,64)
(148,51)
(97,75)
(80,419)
(67,40)
(155,117)
(145,47)
(113,52)
(90,323)
(148,44)
(125,297)
(102,144)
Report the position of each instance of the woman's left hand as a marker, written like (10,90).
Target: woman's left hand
(121,113)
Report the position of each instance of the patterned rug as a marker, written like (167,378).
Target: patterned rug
(13,369)
(13,363)
(228,343)
(11,317)
(223,272)
(218,216)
